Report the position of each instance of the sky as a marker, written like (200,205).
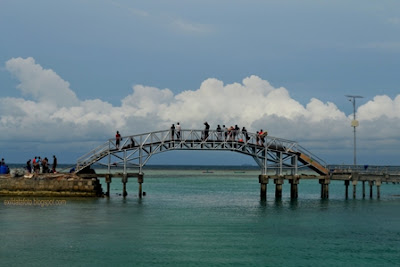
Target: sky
(73,72)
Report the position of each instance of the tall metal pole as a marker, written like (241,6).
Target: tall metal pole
(354,124)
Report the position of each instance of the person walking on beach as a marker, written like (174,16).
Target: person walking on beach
(117,139)
(54,164)
(178,131)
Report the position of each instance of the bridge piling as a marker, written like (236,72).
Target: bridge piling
(278,187)
(354,178)
(140,181)
(354,188)
(363,189)
(108,181)
(378,188)
(294,193)
(371,184)
(124,181)
(324,188)
(263,180)
(346,184)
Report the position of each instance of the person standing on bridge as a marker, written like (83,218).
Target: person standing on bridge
(262,137)
(258,138)
(178,131)
(225,132)
(245,134)
(219,133)
(117,139)
(206,130)
(172,132)
(235,132)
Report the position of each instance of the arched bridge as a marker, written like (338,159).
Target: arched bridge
(270,153)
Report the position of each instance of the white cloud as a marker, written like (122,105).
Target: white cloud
(43,85)
(190,27)
(394,21)
(385,46)
(380,106)
(54,114)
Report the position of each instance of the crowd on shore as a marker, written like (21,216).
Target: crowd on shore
(39,165)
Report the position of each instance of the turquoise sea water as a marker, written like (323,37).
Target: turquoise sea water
(191,218)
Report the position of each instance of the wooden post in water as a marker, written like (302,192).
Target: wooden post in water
(371,184)
(108,181)
(263,180)
(278,187)
(140,181)
(124,181)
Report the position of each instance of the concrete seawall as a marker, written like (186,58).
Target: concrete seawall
(49,185)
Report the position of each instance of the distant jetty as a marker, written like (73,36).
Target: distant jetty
(50,185)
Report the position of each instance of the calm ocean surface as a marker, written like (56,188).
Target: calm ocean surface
(191,218)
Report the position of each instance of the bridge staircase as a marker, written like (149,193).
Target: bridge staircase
(312,162)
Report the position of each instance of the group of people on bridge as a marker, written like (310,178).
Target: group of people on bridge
(232,133)
(223,133)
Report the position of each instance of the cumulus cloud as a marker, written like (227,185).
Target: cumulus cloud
(190,27)
(49,111)
(384,46)
(43,85)
(394,20)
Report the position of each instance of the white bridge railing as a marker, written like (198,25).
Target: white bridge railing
(134,151)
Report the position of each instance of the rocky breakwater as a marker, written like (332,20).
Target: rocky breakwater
(49,185)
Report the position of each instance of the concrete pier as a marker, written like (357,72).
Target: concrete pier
(371,185)
(346,184)
(378,188)
(50,185)
(140,181)
(108,182)
(354,178)
(324,187)
(294,192)
(124,181)
(354,188)
(263,180)
(363,189)
(278,187)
